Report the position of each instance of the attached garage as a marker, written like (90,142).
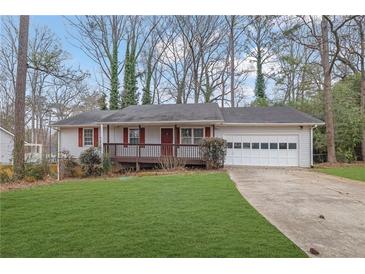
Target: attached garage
(267,136)
(262,150)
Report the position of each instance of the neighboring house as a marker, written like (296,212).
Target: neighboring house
(258,136)
(6,146)
(33,152)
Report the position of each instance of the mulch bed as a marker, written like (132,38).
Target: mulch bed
(23,184)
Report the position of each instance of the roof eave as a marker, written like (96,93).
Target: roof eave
(162,122)
(220,122)
(85,125)
(273,124)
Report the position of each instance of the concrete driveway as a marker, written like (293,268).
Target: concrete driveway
(314,210)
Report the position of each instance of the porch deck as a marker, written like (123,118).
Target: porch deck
(154,153)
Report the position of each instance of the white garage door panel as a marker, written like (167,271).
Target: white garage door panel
(265,155)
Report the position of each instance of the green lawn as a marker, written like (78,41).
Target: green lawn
(201,215)
(354,173)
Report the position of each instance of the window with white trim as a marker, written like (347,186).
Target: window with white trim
(133,136)
(88,136)
(192,135)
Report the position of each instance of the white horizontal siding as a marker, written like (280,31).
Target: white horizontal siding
(70,139)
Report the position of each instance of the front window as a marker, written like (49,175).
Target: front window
(133,136)
(192,135)
(198,135)
(186,136)
(88,136)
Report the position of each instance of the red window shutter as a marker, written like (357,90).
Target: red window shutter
(177,135)
(80,136)
(96,137)
(207,132)
(125,136)
(142,136)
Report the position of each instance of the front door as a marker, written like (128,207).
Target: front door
(167,139)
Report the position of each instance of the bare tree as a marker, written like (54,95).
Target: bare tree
(352,57)
(100,38)
(361,25)
(201,34)
(261,42)
(21,76)
(8,62)
(176,61)
(236,56)
(322,34)
(328,25)
(47,70)
(151,55)
(327,68)
(299,71)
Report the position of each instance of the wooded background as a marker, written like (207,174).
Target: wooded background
(312,63)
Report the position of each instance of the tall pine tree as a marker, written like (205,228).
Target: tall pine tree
(114,92)
(261,99)
(130,84)
(146,98)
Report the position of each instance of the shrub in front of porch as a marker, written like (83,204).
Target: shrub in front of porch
(213,152)
(69,167)
(107,163)
(91,162)
(172,163)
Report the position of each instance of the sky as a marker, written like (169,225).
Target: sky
(58,25)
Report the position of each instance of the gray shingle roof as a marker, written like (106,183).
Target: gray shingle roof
(166,113)
(191,113)
(275,114)
(85,118)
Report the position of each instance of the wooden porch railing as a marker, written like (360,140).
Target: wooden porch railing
(151,153)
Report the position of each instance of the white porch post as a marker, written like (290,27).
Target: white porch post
(58,153)
(102,139)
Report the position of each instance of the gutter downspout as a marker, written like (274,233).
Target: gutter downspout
(311,145)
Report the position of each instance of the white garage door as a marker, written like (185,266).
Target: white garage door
(262,150)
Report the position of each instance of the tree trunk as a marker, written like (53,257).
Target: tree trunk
(330,132)
(146,98)
(362,50)
(231,52)
(179,94)
(223,91)
(114,81)
(196,86)
(21,77)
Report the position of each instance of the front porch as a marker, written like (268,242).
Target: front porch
(155,144)
(154,153)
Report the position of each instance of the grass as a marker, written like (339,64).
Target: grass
(201,215)
(354,173)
